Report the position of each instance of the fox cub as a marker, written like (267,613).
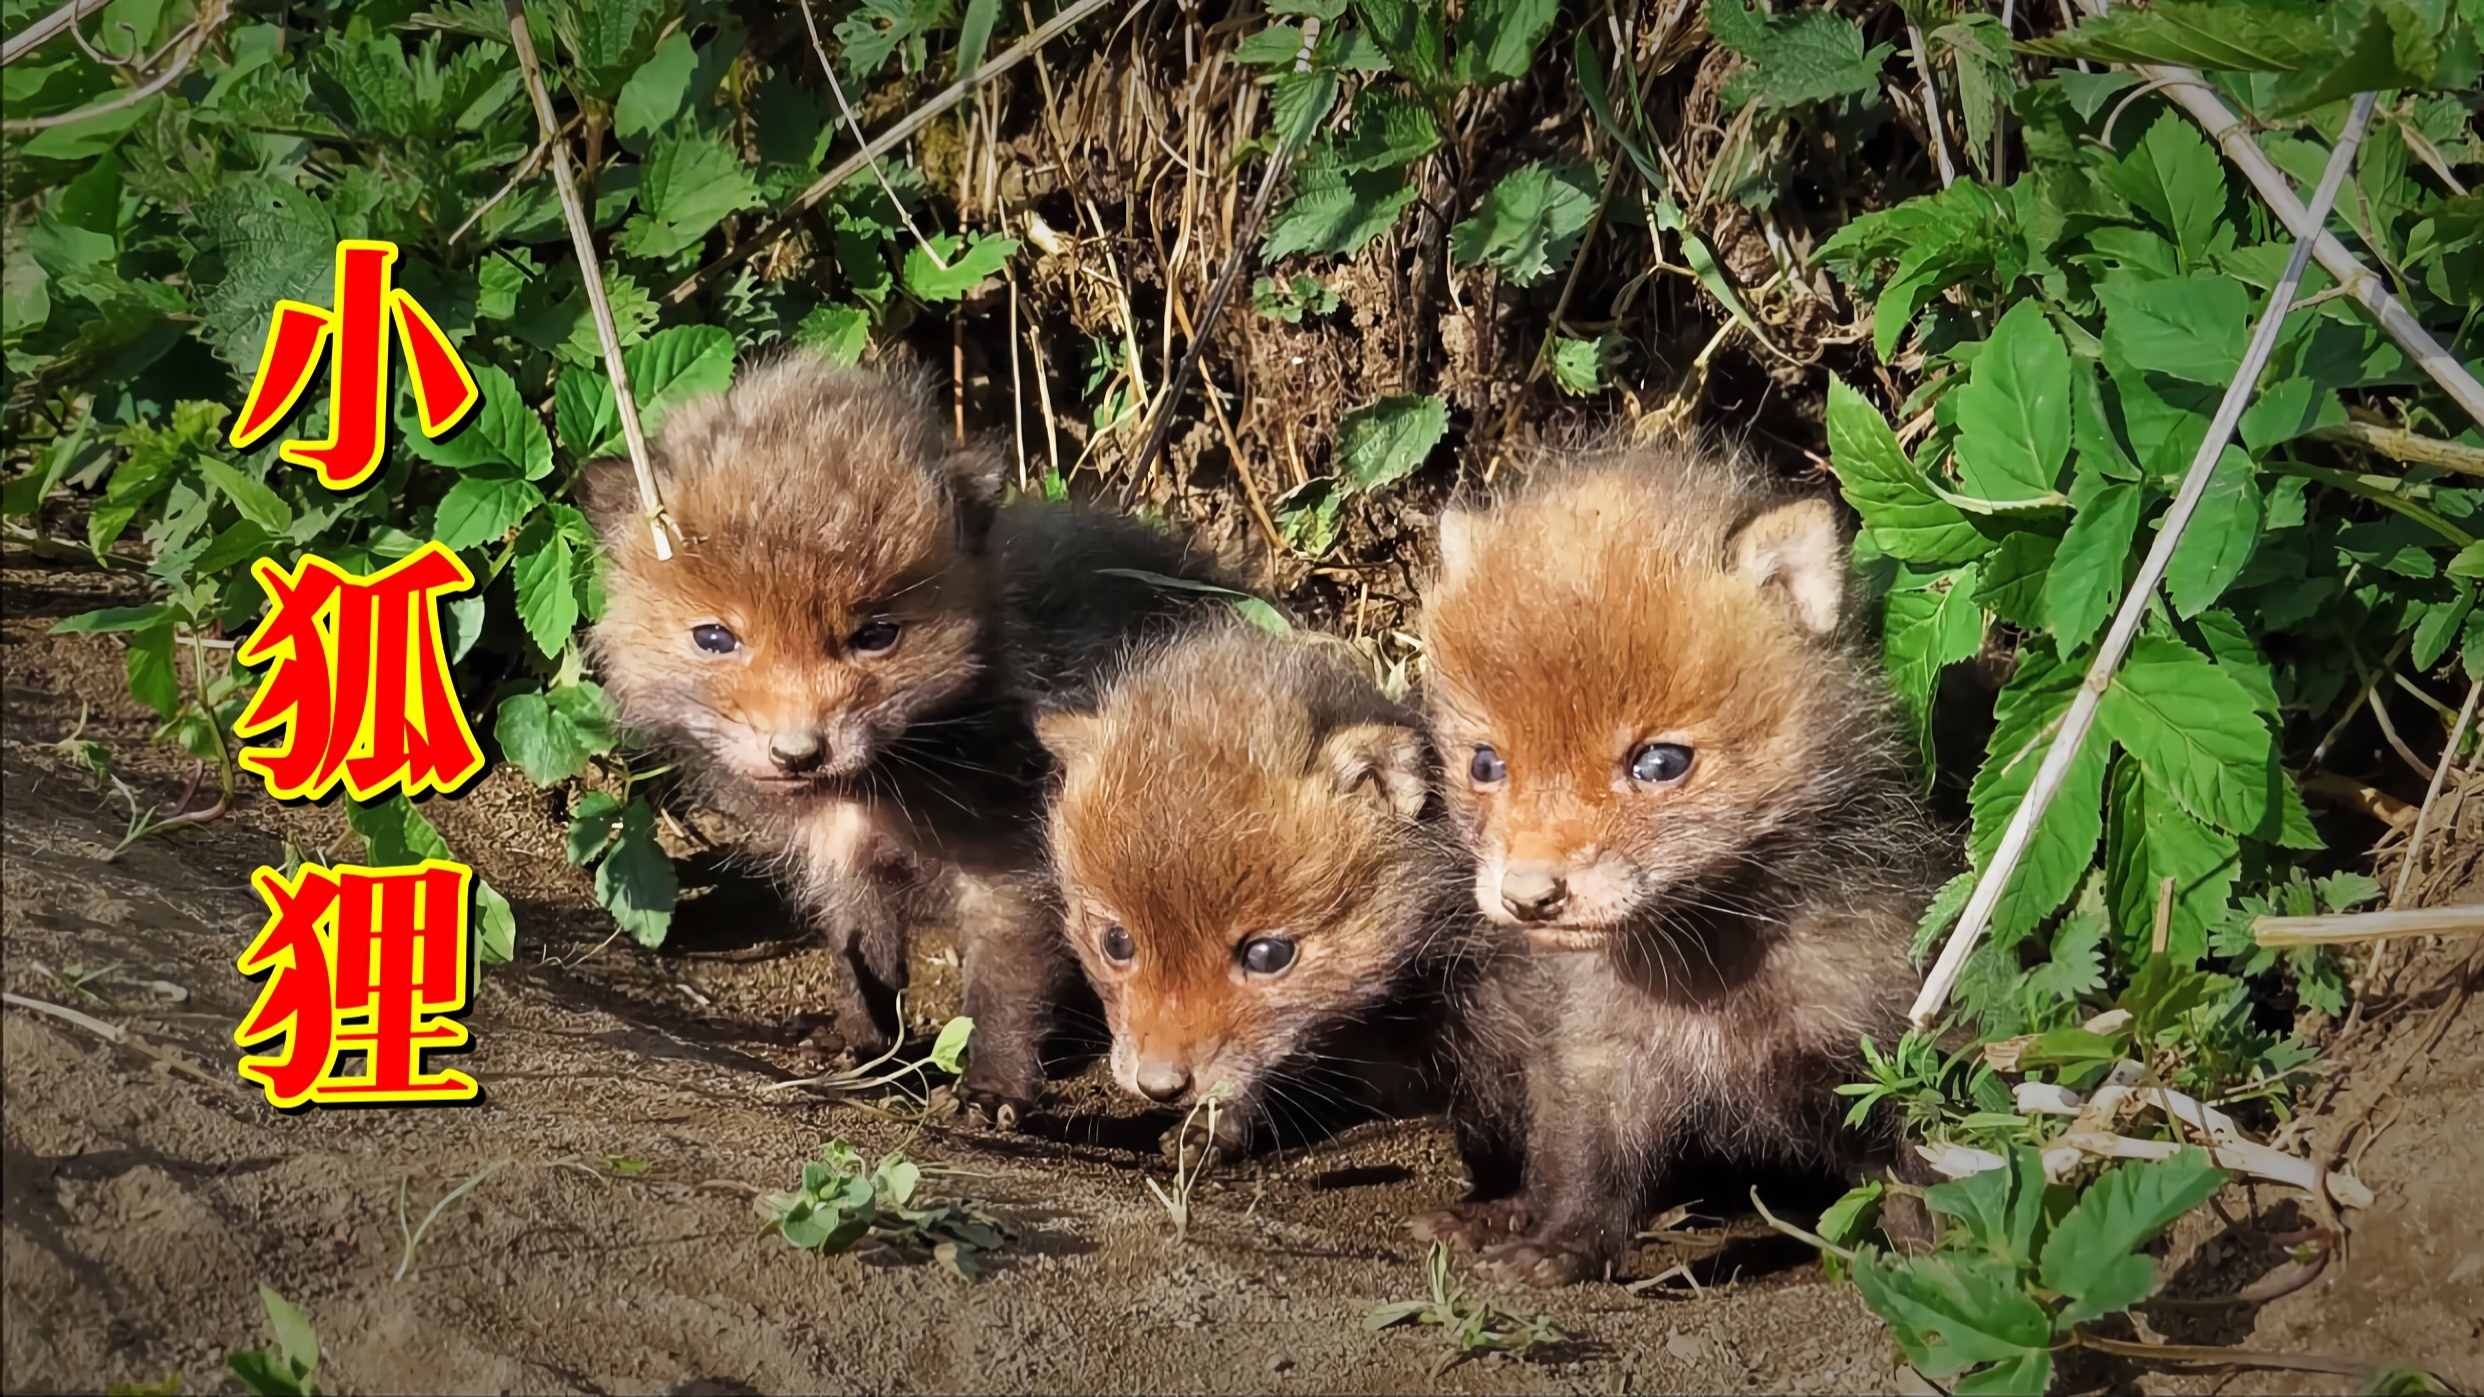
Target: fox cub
(849,648)
(1251,879)
(1691,827)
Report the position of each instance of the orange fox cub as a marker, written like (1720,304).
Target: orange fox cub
(1692,829)
(1240,840)
(847,647)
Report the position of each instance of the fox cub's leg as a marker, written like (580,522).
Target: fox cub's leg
(857,884)
(1017,968)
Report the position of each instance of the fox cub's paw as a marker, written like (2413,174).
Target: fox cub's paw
(1474,1226)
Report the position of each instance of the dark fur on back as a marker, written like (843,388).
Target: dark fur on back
(1685,958)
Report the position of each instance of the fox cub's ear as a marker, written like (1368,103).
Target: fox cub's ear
(972,474)
(1068,736)
(1387,760)
(1793,553)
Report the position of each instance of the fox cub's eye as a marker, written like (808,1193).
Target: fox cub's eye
(715,639)
(873,636)
(1659,762)
(1117,945)
(1486,767)
(1267,955)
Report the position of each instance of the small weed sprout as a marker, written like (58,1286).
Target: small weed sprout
(287,1371)
(948,1054)
(1186,1171)
(844,1203)
(414,1236)
(1472,1325)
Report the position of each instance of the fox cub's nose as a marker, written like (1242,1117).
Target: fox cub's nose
(1163,1081)
(1533,894)
(797,752)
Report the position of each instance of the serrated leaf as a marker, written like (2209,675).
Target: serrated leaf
(501,431)
(552,735)
(1298,102)
(546,586)
(2173,175)
(1898,506)
(2151,838)
(2011,582)
(2025,718)
(654,94)
(482,506)
(1306,516)
(635,882)
(979,258)
(690,181)
(837,333)
(2093,1258)
(1333,209)
(1931,622)
(673,366)
(1497,39)
(585,414)
(2393,48)
(153,679)
(2253,38)
(1949,1311)
(1804,56)
(2193,727)
(1578,365)
(1387,133)
(1262,48)
(2089,567)
(2000,1210)
(2191,327)
(2014,412)
(1385,441)
(2223,531)
(1530,224)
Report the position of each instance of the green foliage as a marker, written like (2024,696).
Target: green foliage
(1291,301)
(844,1202)
(145,250)
(2019,1264)
(287,1369)
(1470,1324)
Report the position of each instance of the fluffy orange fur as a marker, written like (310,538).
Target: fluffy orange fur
(1230,787)
(1680,787)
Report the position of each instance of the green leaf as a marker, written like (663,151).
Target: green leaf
(483,506)
(2193,727)
(2252,38)
(635,882)
(1263,48)
(394,833)
(1388,132)
(257,503)
(2191,328)
(552,735)
(2173,175)
(1333,209)
(967,269)
(2011,584)
(1952,1311)
(654,94)
(1804,56)
(2093,1257)
(2223,531)
(974,34)
(673,366)
(1578,365)
(1898,506)
(2150,839)
(1306,516)
(2393,48)
(495,925)
(1384,441)
(1932,622)
(1299,102)
(2025,718)
(690,181)
(839,334)
(1999,1209)
(295,1338)
(114,618)
(2468,563)
(1531,222)
(585,414)
(2014,412)
(1497,39)
(949,1049)
(546,585)
(594,821)
(2089,568)
(153,679)
(501,431)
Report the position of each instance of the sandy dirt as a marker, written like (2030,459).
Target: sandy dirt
(147,1192)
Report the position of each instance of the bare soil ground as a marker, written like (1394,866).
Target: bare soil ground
(146,1192)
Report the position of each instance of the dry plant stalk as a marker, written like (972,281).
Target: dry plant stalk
(2432,793)
(591,271)
(2082,713)
(2335,928)
(34,35)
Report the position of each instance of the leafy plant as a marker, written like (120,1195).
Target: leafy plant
(1470,1324)
(844,1203)
(286,1370)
